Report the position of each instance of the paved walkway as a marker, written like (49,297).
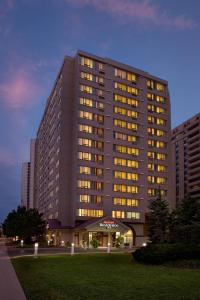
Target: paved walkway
(10,288)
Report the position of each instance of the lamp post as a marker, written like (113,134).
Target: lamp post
(72,248)
(36,250)
(21,243)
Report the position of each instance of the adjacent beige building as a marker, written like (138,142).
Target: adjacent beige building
(25,184)
(102,151)
(186,159)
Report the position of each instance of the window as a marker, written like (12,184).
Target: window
(84,170)
(132,90)
(129,101)
(122,188)
(125,137)
(84,198)
(161,168)
(86,76)
(85,156)
(151,154)
(161,156)
(84,184)
(132,215)
(118,214)
(120,86)
(160,87)
(85,128)
(150,84)
(119,73)
(119,201)
(86,102)
(161,180)
(85,142)
(124,124)
(125,175)
(151,179)
(87,62)
(126,162)
(97,213)
(160,99)
(85,115)
(132,202)
(150,96)
(124,149)
(87,89)
(131,77)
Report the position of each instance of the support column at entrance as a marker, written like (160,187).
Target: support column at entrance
(90,238)
(109,239)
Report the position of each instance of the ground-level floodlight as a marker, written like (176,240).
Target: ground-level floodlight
(36,250)
(48,242)
(72,248)
(144,244)
(21,243)
(108,248)
(62,243)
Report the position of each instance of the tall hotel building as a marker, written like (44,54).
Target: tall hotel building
(186,159)
(102,151)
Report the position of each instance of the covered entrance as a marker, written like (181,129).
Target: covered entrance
(106,231)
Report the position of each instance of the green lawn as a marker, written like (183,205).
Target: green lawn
(103,277)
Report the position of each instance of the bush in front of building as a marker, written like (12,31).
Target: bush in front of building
(94,243)
(161,253)
(119,241)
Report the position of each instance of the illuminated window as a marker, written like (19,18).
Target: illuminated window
(120,86)
(151,154)
(150,84)
(151,192)
(84,170)
(87,62)
(84,155)
(86,76)
(126,162)
(161,180)
(132,126)
(119,73)
(128,150)
(161,168)
(132,202)
(150,96)
(161,156)
(86,102)
(151,119)
(125,188)
(84,198)
(132,215)
(100,80)
(97,213)
(151,130)
(160,99)
(151,167)
(85,128)
(85,115)
(118,214)
(84,184)
(87,89)
(132,90)
(125,137)
(160,110)
(151,179)
(119,201)
(160,122)
(120,123)
(85,142)
(131,77)
(160,87)
(125,175)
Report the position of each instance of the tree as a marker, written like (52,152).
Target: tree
(184,225)
(158,220)
(24,223)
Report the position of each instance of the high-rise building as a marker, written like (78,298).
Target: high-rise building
(27,179)
(186,159)
(102,151)
(25,184)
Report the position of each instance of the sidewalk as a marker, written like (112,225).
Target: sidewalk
(10,288)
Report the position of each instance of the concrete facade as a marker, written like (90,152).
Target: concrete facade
(103,145)
(25,184)
(186,159)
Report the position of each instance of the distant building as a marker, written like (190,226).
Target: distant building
(25,184)
(186,159)
(27,179)
(102,151)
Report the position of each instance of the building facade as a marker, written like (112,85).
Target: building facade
(25,184)
(102,151)
(186,159)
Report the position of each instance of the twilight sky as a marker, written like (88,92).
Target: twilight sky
(161,37)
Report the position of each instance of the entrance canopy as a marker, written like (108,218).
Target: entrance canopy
(108,224)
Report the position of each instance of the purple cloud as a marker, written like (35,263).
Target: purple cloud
(142,11)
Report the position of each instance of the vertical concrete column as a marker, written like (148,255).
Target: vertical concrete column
(90,238)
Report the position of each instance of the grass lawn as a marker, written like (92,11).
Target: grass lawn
(103,277)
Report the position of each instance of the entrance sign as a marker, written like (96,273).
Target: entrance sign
(108,224)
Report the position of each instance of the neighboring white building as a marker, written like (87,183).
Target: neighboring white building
(32,164)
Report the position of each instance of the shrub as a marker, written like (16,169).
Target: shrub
(119,241)
(94,243)
(161,253)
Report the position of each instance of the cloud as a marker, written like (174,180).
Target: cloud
(20,90)
(128,11)
(5,7)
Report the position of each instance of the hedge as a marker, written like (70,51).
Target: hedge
(160,253)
